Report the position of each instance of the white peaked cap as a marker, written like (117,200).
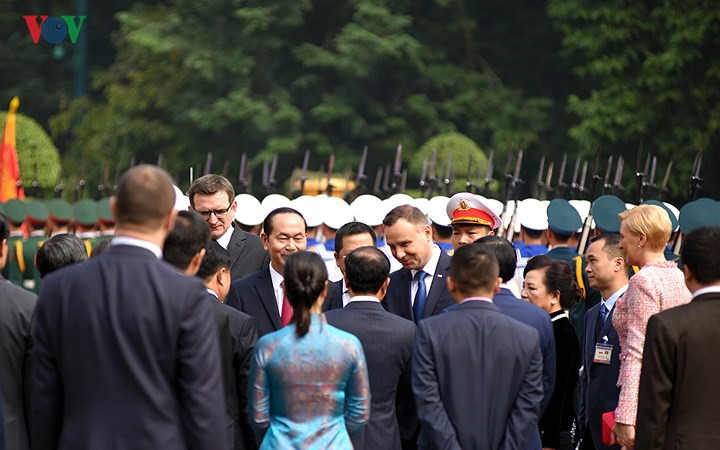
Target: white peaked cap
(396,200)
(336,212)
(368,209)
(422,204)
(583,208)
(675,211)
(249,210)
(533,214)
(182,201)
(311,209)
(437,210)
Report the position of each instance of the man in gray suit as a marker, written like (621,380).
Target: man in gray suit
(213,197)
(477,373)
(16,311)
(387,340)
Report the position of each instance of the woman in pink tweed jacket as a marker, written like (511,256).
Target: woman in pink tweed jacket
(659,285)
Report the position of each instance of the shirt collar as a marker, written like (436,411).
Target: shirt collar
(16,233)
(431,265)
(276,278)
(224,240)
(135,242)
(214,294)
(364,298)
(37,233)
(706,290)
(610,303)
(473,299)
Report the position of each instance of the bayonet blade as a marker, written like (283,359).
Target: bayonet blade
(573,183)
(378,179)
(548,178)
(208,163)
(541,170)
(666,178)
(398,160)
(563,164)
(608,169)
(653,167)
(518,164)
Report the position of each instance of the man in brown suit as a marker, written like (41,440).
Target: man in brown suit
(679,400)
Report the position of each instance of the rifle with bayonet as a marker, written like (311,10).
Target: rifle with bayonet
(617,187)
(271,180)
(432,180)
(666,178)
(468,179)
(104,187)
(488,174)
(242,173)
(573,182)
(448,170)
(423,177)
(548,180)
(35,186)
(583,177)
(515,191)
(79,189)
(539,182)
(606,187)
(59,186)
(226,168)
(403,180)
(266,176)
(585,235)
(208,163)
(378,181)
(451,186)
(651,186)
(297,192)
(331,166)
(386,181)
(561,186)
(695,181)
(640,174)
(397,170)
(361,177)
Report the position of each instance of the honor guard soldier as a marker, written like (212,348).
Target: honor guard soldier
(533,224)
(605,212)
(22,269)
(311,209)
(563,223)
(470,218)
(86,217)
(105,223)
(60,215)
(249,214)
(336,213)
(15,213)
(440,223)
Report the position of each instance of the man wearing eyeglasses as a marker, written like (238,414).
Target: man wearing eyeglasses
(213,197)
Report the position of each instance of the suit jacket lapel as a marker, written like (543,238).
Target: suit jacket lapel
(590,337)
(236,246)
(438,285)
(405,293)
(266,293)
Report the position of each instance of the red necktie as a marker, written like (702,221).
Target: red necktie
(286,313)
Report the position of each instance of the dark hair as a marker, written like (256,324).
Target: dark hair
(408,212)
(473,269)
(190,235)
(268,222)
(215,259)
(442,231)
(366,269)
(562,238)
(144,197)
(210,184)
(557,278)
(503,251)
(4,227)
(351,229)
(60,251)
(611,244)
(305,277)
(533,234)
(700,252)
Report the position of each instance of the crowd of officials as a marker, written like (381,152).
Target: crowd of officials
(185,331)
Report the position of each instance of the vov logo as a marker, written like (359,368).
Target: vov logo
(54,29)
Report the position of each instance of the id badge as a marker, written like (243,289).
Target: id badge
(603,353)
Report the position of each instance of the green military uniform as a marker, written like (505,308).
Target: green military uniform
(104,217)
(60,214)
(703,212)
(22,270)
(15,212)
(85,213)
(564,220)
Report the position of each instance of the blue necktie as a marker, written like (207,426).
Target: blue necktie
(420,296)
(603,314)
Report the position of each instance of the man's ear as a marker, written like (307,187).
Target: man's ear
(264,239)
(496,288)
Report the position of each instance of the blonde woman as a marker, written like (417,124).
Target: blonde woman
(657,286)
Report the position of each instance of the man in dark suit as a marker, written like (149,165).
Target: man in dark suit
(348,237)
(213,197)
(606,271)
(418,290)
(16,311)
(261,294)
(124,354)
(477,373)
(387,340)
(679,399)
(189,248)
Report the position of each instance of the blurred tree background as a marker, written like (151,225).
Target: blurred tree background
(182,78)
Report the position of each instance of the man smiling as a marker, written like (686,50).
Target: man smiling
(213,197)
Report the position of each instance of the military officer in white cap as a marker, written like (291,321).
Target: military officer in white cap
(471,218)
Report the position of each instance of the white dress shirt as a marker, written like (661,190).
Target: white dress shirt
(277,280)
(364,298)
(610,303)
(429,268)
(345,294)
(135,242)
(224,240)
(707,290)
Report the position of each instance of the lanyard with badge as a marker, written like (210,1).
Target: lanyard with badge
(603,352)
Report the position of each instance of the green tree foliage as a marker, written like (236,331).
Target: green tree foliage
(461,148)
(655,72)
(278,77)
(37,155)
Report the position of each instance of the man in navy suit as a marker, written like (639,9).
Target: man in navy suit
(477,373)
(125,353)
(387,340)
(418,290)
(350,236)
(606,272)
(261,294)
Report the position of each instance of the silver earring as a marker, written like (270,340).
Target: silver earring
(552,302)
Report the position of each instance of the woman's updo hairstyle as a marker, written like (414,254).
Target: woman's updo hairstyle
(305,277)
(557,278)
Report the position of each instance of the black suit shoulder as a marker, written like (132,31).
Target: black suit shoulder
(247,254)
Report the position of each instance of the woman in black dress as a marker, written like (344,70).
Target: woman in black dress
(549,284)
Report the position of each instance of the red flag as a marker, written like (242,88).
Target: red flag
(10,186)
